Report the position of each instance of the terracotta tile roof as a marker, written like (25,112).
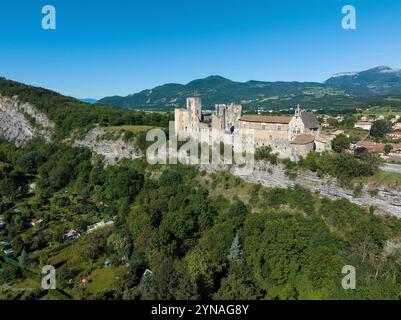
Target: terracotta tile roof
(303,138)
(371,146)
(266,119)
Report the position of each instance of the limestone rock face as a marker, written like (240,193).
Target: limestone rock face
(112,150)
(20,122)
(385,201)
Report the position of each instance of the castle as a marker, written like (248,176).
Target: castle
(290,137)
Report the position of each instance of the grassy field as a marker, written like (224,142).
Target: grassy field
(357,134)
(385,111)
(132,128)
(381,178)
(103,279)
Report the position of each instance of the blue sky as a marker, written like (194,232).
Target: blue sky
(120,47)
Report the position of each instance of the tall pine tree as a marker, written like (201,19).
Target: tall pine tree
(236,253)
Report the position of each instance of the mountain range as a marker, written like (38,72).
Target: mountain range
(344,90)
(89,100)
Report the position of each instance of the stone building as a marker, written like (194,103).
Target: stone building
(189,119)
(302,122)
(226,117)
(289,136)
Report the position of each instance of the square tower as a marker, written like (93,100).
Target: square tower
(194,107)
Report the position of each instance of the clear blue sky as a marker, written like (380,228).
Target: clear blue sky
(119,47)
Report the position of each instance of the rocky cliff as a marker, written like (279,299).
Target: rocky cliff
(113,150)
(20,122)
(384,200)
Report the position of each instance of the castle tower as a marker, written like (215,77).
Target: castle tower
(194,108)
(226,117)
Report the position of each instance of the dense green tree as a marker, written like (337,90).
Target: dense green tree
(388,148)
(380,128)
(340,143)
(237,285)
(122,182)
(200,271)
(170,280)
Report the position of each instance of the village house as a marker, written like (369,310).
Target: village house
(364,124)
(394,135)
(325,121)
(369,146)
(377,147)
(395,119)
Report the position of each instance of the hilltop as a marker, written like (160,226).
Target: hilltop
(342,91)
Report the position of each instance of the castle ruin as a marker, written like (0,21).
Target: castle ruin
(288,136)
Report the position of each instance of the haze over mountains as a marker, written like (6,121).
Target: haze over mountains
(88,100)
(342,91)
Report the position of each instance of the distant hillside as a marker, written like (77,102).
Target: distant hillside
(89,100)
(377,81)
(216,89)
(342,91)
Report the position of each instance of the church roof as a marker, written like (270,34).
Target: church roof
(266,119)
(303,138)
(309,120)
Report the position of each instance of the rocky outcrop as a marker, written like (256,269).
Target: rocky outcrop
(113,150)
(384,201)
(20,122)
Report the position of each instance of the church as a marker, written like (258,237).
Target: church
(288,136)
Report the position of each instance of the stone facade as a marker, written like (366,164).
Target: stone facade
(289,136)
(226,117)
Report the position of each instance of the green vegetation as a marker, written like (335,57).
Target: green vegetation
(175,232)
(340,143)
(380,128)
(72,115)
(201,235)
(255,94)
(130,128)
(265,153)
(381,178)
(343,166)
